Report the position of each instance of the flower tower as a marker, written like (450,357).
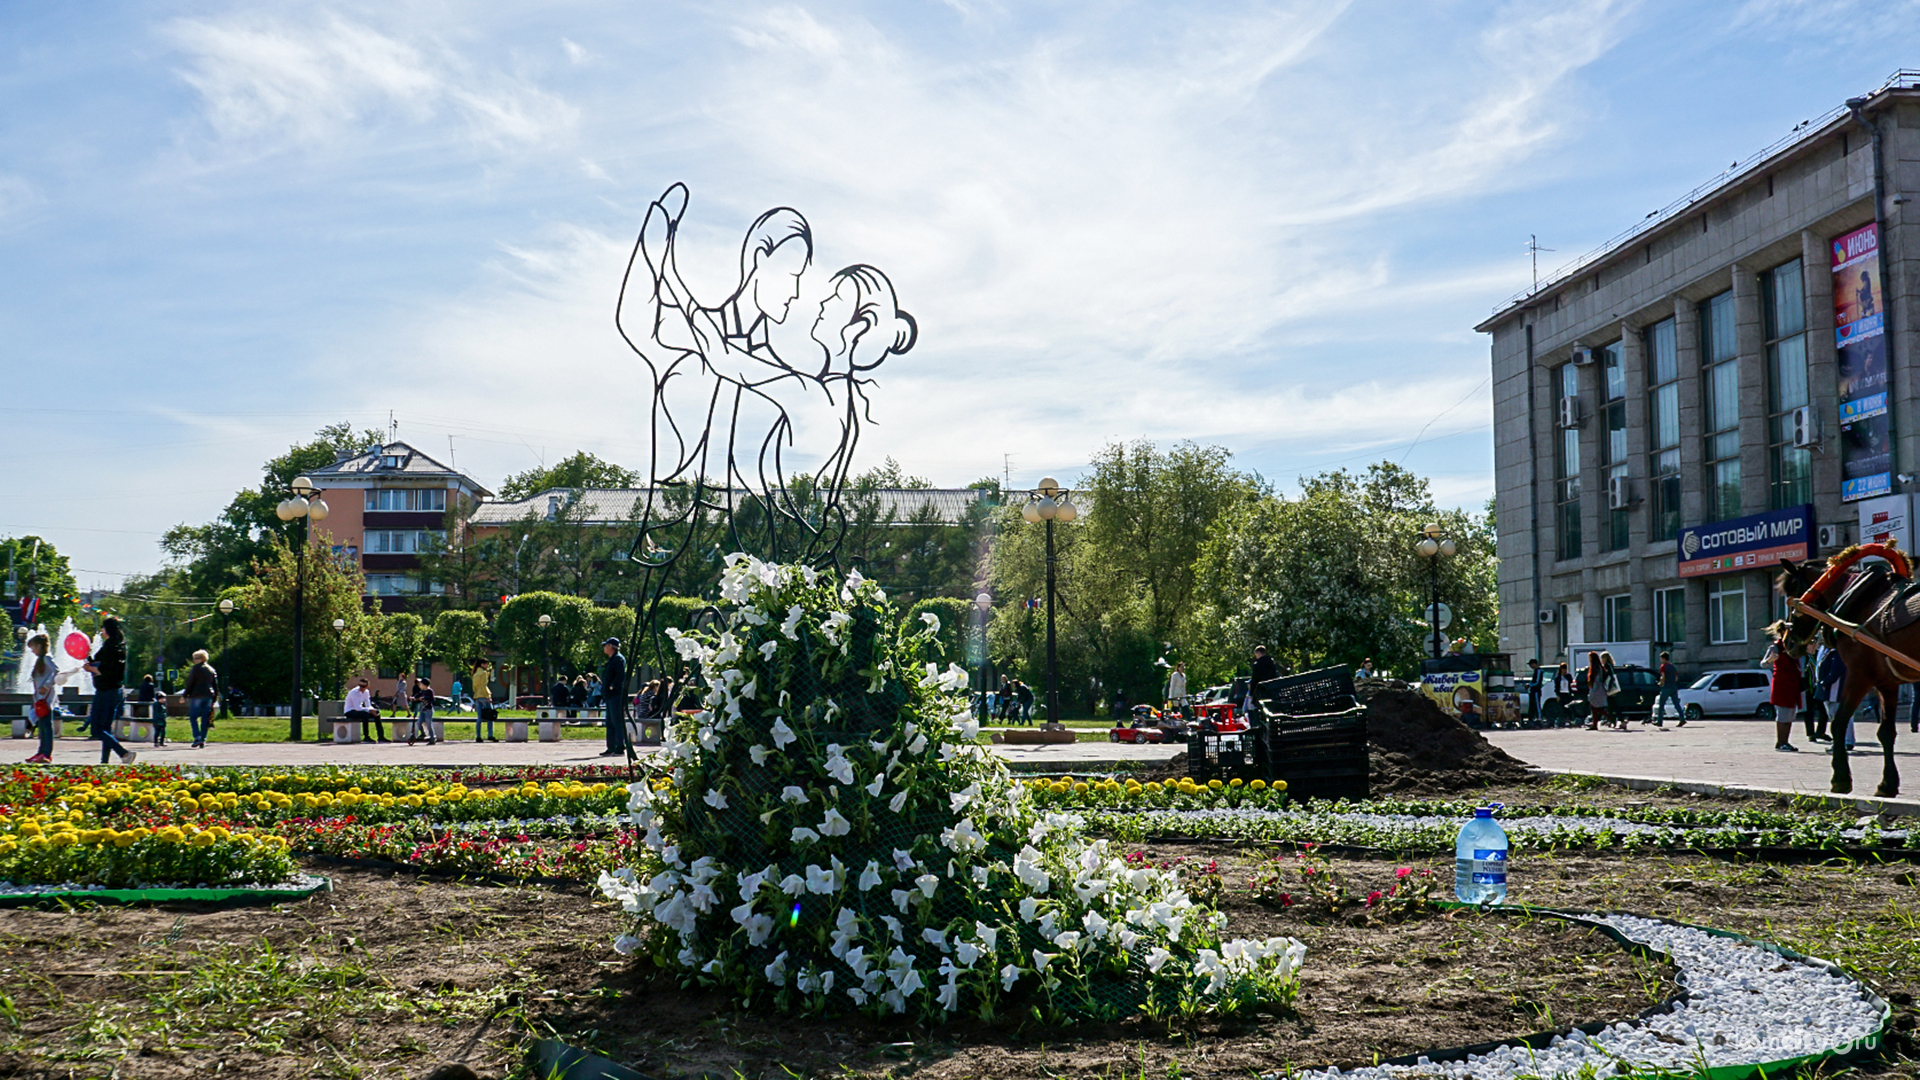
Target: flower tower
(830,837)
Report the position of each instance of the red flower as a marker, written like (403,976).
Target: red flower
(1373,897)
(1286,899)
(1403,871)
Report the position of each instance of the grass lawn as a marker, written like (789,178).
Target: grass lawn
(268,729)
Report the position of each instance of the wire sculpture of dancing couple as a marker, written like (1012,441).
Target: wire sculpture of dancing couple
(727,405)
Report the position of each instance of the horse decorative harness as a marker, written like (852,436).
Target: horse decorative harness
(1891,604)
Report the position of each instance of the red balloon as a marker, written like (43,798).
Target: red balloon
(78,646)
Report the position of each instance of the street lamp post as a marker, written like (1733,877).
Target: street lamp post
(339,655)
(981,604)
(1050,503)
(308,507)
(546,657)
(226,611)
(1431,547)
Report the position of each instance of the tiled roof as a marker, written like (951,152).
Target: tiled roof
(414,465)
(609,506)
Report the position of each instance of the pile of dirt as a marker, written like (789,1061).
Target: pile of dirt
(1420,750)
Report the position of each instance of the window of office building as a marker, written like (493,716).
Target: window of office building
(1727,611)
(1663,432)
(406,499)
(401,585)
(1670,615)
(1613,443)
(1786,307)
(1618,611)
(1721,379)
(1566,469)
(402,541)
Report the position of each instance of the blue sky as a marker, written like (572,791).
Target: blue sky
(1268,226)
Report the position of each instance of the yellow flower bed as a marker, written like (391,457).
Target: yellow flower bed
(56,846)
(1185,793)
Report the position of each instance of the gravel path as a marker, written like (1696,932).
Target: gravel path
(1742,1005)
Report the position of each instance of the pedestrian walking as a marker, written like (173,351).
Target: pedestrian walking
(1667,692)
(422,701)
(1177,688)
(359,708)
(1024,695)
(1824,690)
(1533,689)
(1596,688)
(1563,691)
(1612,682)
(483,710)
(613,683)
(46,681)
(108,666)
(203,685)
(1785,690)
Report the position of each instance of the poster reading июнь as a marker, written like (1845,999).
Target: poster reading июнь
(1860,343)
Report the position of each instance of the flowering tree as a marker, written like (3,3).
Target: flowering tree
(830,837)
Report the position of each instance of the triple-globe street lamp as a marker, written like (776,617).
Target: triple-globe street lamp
(1050,503)
(1432,546)
(308,507)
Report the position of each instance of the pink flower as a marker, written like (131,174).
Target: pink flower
(1373,897)
(1403,871)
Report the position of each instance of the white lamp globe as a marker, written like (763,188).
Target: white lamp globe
(544,620)
(226,607)
(1427,547)
(1046,507)
(339,624)
(1030,512)
(302,486)
(1067,512)
(285,511)
(1446,548)
(317,510)
(983,601)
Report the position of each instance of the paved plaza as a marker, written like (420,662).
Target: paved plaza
(1733,753)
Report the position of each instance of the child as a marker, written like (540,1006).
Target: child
(422,701)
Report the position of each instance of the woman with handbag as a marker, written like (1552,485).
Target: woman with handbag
(1598,712)
(108,666)
(203,685)
(46,675)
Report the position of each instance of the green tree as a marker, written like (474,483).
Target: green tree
(332,589)
(403,641)
(222,552)
(581,470)
(458,639)
(32,567)
(517,628)
(1331,577)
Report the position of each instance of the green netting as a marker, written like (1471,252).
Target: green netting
(234,894)
(826,763)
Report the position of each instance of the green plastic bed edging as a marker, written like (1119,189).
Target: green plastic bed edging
(1855,1049)
(226,895)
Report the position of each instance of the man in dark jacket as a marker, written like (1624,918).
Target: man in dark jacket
(108,666)
(613,689)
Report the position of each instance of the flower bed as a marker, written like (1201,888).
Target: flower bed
(67,848)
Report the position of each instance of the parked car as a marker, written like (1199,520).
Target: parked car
(1736,692)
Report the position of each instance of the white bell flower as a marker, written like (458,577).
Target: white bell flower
(835,824)
(870,877)
(758,753)
(1008,976)
(716,799)
(793,794)
(804,835)
(1157,959)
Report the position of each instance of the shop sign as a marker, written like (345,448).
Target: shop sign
(1746,543)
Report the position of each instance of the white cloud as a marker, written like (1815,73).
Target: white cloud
(276,82)
(17,196)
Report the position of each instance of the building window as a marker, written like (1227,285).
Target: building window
(1786,309)
(1722,384)
(400,585)
(1727,611)
(406,499)
(1619,617)
(1663,432)
(402,541)
(1566,469)
(1613,442)
(1670,615)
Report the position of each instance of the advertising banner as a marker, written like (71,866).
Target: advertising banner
(1860,346)
(1887,520)
(1746,543)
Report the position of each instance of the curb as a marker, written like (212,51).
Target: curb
(1868,804)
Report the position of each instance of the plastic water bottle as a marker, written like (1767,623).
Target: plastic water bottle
(1480,859)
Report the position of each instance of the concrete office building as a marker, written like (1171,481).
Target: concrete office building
(1729,383)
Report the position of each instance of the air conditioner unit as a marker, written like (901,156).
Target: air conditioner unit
(1618,494)
(1806,428)
(1831,537)
(1582,356)
(1569,412)
(1545,615)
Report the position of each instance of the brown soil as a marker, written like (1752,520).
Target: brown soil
(391,975)
(1421,751)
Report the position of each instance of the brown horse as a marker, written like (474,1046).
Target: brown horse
(1868,670)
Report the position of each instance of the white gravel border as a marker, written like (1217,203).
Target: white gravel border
(1742,1005)
(1526,827)
(297,881)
